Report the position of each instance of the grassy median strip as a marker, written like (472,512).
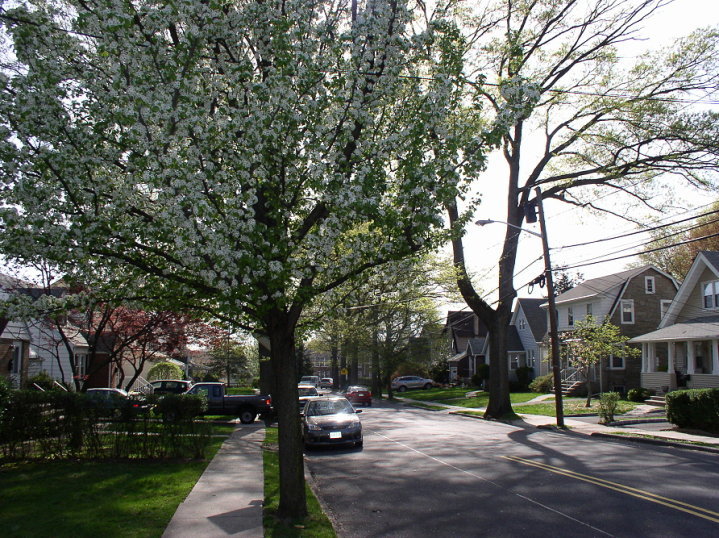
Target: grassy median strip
(575,407)
(316,524)
(95,498)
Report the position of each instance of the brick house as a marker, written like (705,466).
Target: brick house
(634,300)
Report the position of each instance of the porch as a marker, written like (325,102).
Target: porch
(672,365)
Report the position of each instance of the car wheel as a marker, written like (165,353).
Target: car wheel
(247,416)
(402,389)
(359,444)
(369,404)
(428,386)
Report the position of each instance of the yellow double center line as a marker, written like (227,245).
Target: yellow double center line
(641,494)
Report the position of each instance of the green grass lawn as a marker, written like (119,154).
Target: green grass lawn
(315,524)
(572,407)
(95,498)
(456,396)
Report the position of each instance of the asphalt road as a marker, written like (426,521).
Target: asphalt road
(423,473)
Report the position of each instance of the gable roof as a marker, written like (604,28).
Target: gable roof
(462,324)
(705,259)
(603,285)
(536,317)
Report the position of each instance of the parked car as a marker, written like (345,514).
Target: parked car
(112,402)
(331,420)
(407,382)
(357,394)
(170,386)
(313,380)
(306,393)
(245,406)
(327,383)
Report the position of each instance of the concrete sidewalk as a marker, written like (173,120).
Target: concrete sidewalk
(227,499)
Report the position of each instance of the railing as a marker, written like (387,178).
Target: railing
(570,374)
(141,385)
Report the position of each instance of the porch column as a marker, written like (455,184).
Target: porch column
(715,357)
(645,368)
(691,354)
(652,355)
(670,357)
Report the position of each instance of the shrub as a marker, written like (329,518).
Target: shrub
(608,406)
(524,376)
(164,370)
(694,408)
(543,384)
(181,407)
(638,395)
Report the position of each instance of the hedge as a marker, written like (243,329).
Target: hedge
(694,408)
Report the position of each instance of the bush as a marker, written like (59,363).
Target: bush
(524,376)
(481,376)
(694,408)
(181,407)
(608,402)
(164,370)
(542,384)
(638,395)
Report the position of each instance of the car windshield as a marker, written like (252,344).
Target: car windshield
(307,391)
(328,407)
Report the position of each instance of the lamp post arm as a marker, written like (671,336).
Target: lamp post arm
(482,222)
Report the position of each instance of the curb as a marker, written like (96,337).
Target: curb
(657,442)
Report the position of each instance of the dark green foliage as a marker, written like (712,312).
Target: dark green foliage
(608,403)
(542,384)
(524,376)
(638,395)
(59,425)
(694,408)
(42,380)
(180,407)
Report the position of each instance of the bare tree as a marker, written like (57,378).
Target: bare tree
(585,122)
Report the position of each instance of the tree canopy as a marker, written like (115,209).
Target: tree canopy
(235,159)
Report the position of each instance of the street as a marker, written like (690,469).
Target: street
(424,473)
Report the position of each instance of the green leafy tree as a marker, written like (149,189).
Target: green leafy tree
(673,249)
(590,343)
(231,360)
(165,370)
(233,159)
(586,123)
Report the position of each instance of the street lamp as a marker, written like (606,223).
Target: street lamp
(553,332)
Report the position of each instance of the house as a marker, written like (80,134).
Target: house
(467,339)
(634,300)
(683,352)
(530,327)
(14,340)
(470,340)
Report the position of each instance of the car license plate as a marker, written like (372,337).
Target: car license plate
(335,435)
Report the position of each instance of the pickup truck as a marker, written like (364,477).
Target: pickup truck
(246,407)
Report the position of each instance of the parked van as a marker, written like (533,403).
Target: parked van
(310,380)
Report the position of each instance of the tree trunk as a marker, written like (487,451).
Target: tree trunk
(499,404)
(293,501)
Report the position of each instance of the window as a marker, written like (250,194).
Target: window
(522,323)
(627,311)
(711,294)
(616,363)
(589,309)
(570,316)
(649,284)
(81,364)
(514,362)
(16,362)
(664,307)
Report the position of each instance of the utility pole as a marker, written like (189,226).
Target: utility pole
(553,334)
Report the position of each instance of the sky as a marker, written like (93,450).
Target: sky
(568,226)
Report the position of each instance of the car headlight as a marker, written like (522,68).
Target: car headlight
(313,427)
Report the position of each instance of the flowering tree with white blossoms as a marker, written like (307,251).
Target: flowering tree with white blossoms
(235,158)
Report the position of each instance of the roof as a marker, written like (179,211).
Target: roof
(599,286)
(475,345)
(536,317)
(514,343)
(693,329)
(712,258)
(461,322)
